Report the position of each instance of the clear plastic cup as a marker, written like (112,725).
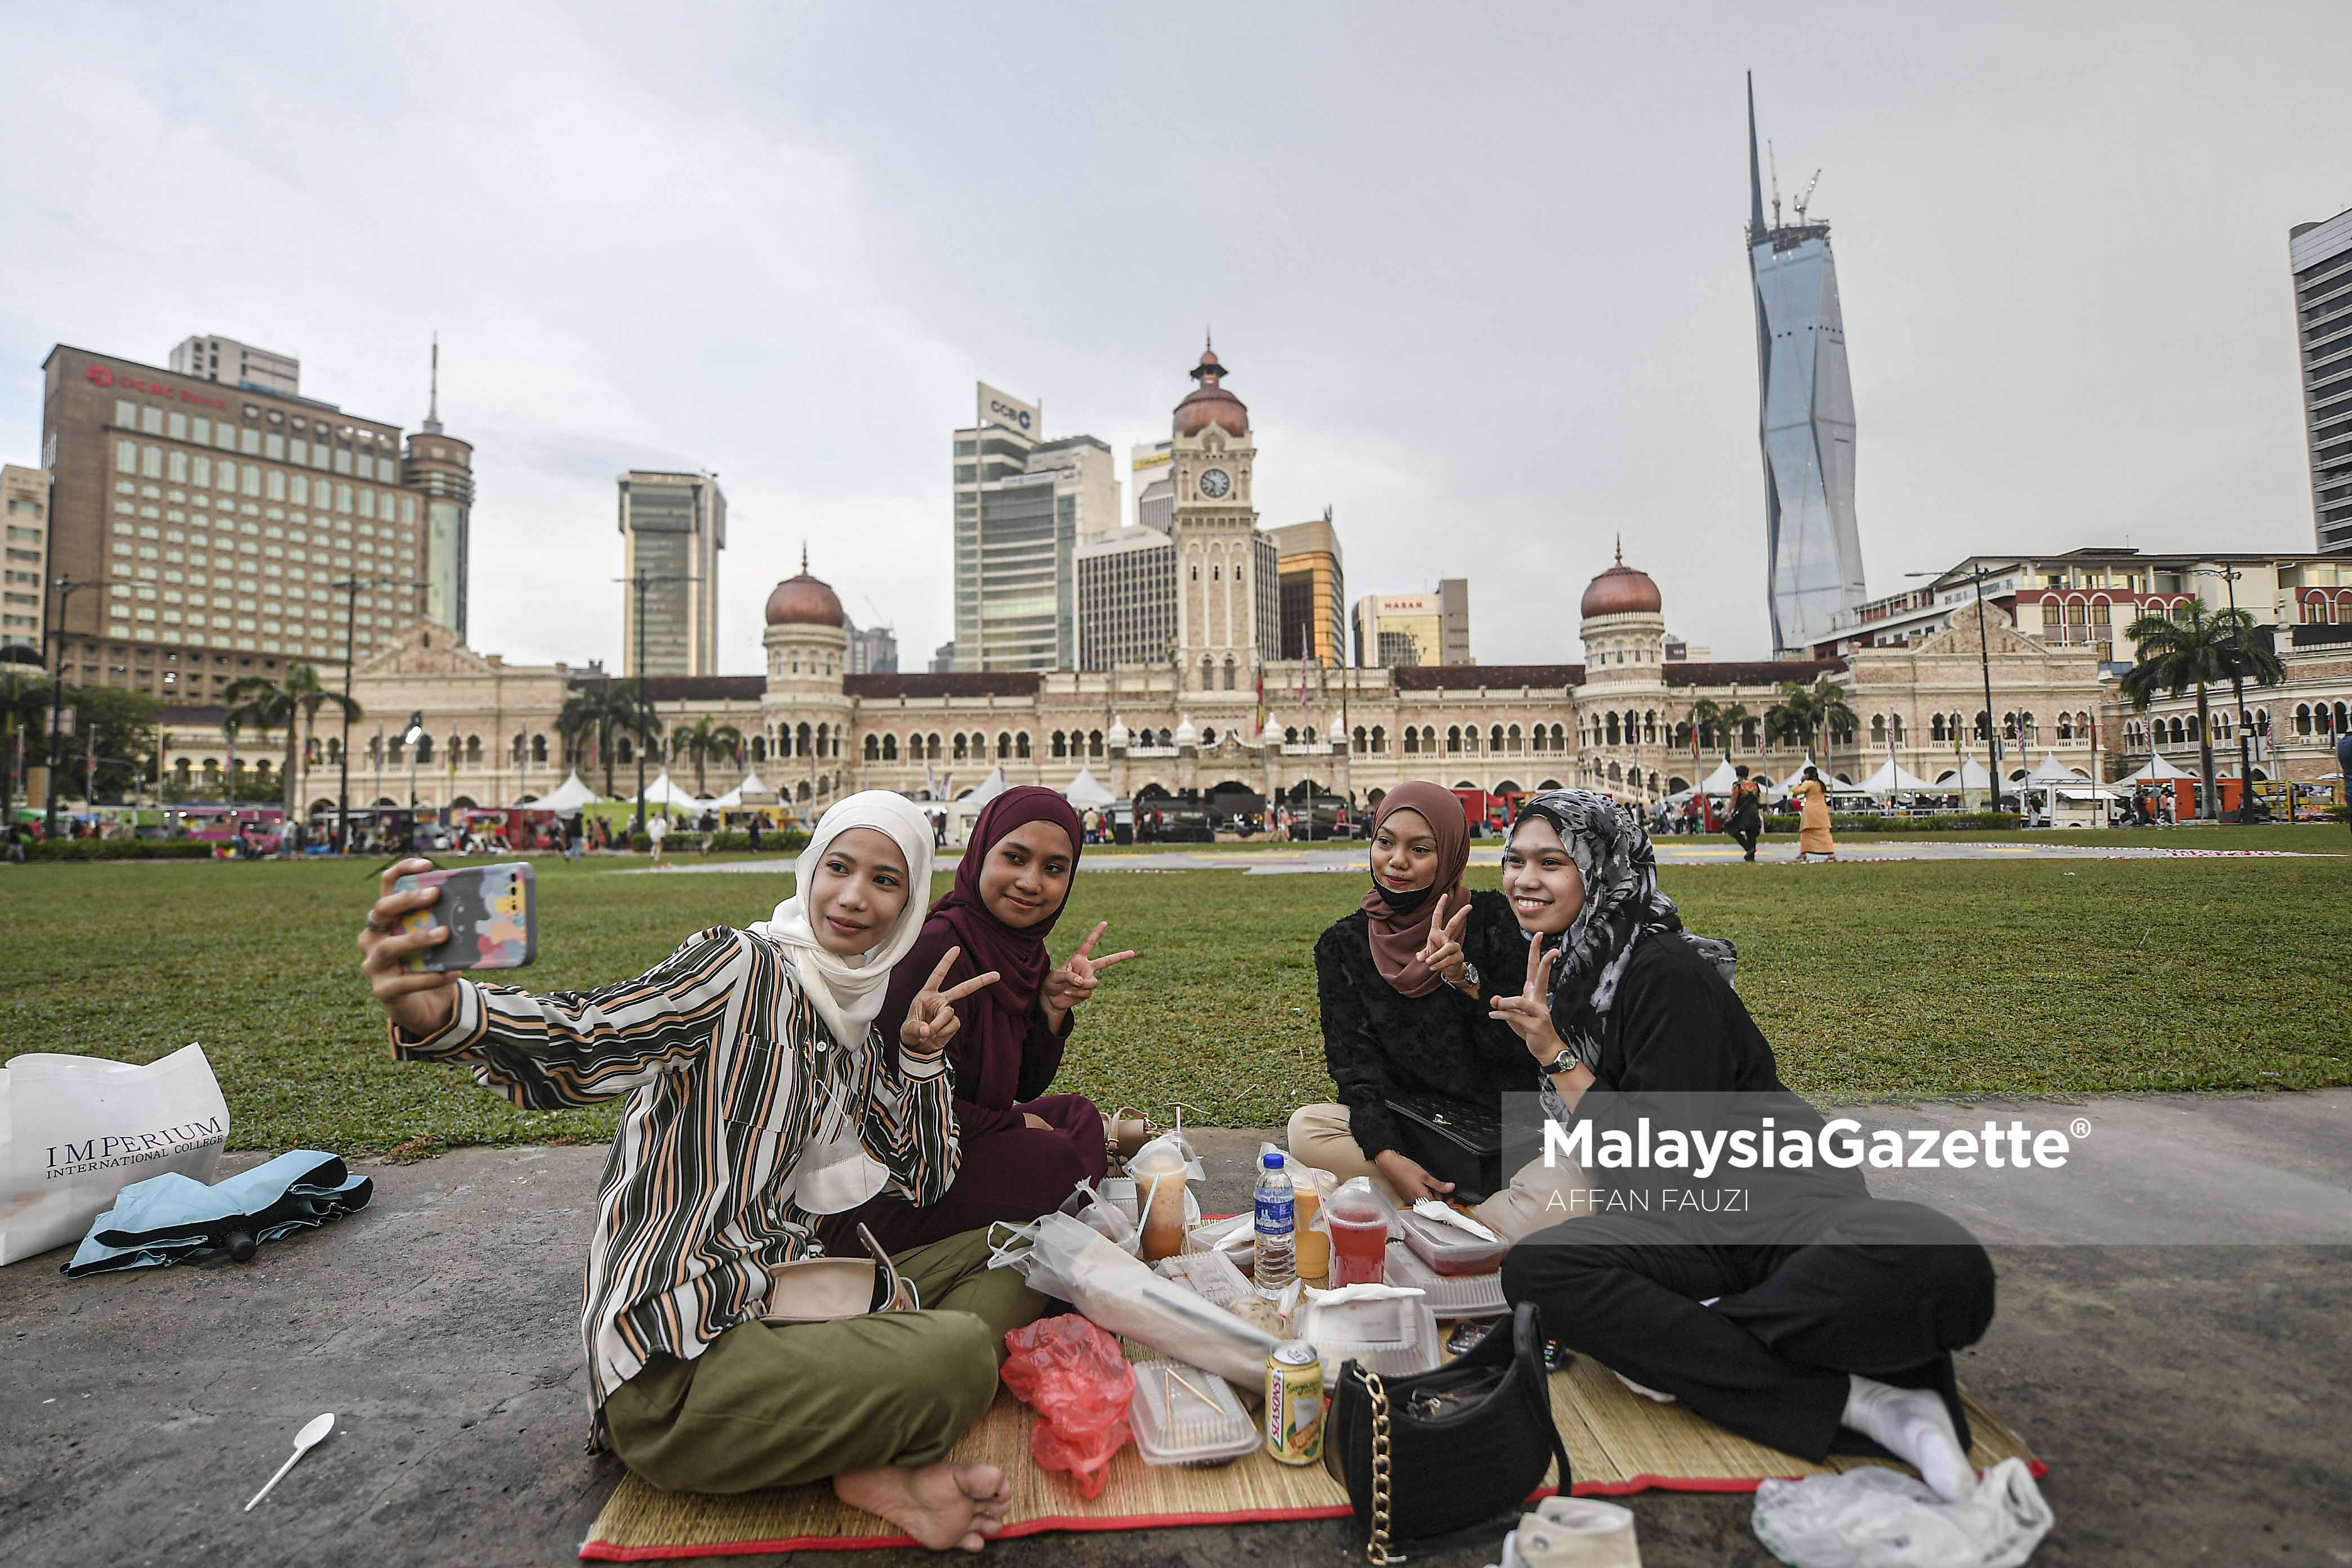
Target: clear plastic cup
(1360,1237)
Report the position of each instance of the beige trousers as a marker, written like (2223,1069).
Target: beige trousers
(1537,1197)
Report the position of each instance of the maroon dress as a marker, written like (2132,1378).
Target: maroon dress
(1004,1058)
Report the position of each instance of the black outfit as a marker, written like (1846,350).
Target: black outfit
(1747,824)
(1815,1280)
(1378,1042)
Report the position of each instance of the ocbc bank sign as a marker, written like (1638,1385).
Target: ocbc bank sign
(1006,411)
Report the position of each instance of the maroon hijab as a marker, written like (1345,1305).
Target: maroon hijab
(1398,934)
(1017,954)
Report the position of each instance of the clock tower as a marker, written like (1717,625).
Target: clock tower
(1227,590)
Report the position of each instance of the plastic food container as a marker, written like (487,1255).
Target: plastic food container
(1449,1249)
(1394,1338)
(1214,1275)
(1204,1239)
(1201,1425)
(1450,1296)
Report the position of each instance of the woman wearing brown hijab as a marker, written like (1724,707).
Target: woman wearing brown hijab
(1404,983)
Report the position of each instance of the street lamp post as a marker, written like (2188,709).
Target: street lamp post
(2228,576)
(1976,575)
(64,588)
(350,588)
(641,582)
(410,737)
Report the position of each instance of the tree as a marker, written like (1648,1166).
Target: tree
(705,739)
(1803,713)
(604,711)
(24,712)
(1723,719)
(266,704)
(2195,646)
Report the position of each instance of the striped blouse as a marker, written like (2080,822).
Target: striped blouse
(727,1068)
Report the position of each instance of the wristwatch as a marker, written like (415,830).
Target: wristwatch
(1564,1062)
(1469,977)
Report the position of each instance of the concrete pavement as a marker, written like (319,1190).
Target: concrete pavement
(2191,1400)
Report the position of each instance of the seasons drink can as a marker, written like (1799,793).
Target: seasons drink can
(1294,1404)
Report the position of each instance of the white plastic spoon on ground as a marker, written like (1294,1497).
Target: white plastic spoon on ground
(305,1441)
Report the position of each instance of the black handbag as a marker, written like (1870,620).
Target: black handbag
(1441,1452)
(1455,1141)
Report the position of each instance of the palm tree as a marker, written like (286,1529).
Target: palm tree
(705,739)
(2194,646)
(1804,713)
(264,704)
(1726,719)
(604,711)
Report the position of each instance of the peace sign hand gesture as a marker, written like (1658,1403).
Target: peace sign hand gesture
(1075,980)
(1442,952)
(1528,1013)
(931,1020)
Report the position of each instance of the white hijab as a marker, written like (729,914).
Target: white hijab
(848,992)
(836,1174)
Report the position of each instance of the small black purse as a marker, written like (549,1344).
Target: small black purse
(1456,1140)
(1440,1451)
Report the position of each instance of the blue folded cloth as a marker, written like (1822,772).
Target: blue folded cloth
(173,1220)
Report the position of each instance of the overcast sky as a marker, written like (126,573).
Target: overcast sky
(1478,270)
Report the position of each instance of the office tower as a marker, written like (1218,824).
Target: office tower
(233,364)
(23,559)
(1453,621)
(943,659)
(1399,630)
(1228,579)
(1313,577)
(220,520)
(1022,506)
(872,650)
(2320,256)
(1127,598)
(441,466)
(1151,466)
(1812,569)
(675,525)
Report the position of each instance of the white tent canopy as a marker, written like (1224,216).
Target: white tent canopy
(2050,770)
(1086,791)
(1893,778)
(1797,777)
(752,785)
(989,788)
(663,792)
(1720,781)
(1972,777)
(568,796)
(2156,771)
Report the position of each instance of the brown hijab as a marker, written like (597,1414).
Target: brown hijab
(1399,923)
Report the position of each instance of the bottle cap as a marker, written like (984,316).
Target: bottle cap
(1271,1162)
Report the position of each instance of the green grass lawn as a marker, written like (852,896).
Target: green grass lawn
(1941,977)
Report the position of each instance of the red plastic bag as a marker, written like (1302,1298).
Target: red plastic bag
(1073,1375)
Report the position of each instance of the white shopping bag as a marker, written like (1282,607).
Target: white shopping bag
(1062,1255)
(75,1131)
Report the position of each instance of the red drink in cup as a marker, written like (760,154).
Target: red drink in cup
(1360,1239)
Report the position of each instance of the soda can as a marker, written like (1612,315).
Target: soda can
(1294,1404)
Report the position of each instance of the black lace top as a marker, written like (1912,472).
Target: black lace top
(1377,1041)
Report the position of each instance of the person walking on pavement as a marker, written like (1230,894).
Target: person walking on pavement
(1747,824)
(656,829)
(1814,827)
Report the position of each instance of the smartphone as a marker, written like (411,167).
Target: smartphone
(490,911)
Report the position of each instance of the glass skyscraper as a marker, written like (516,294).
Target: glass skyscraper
(1813,549)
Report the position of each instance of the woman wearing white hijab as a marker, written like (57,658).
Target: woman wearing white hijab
(758,1095)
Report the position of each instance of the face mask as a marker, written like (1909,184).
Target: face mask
(1403,903)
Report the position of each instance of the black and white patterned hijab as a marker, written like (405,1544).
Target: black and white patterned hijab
(1622,902)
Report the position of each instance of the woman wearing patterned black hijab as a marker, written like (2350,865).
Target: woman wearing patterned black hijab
(1790,1305)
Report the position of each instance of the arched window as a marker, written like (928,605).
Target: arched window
(1616,775)
(2082,725)
(1935,727)
(1167,739)
(1429,738)
(622,751)
(2065,726)
(1493,739)
(473,751)
(1061,743)
(1209,738)
(959,746)
(1650,727)
(1984,725)
(1511,739)
(1208,673)
(1412,741)
(826,746)
(1003,745)
(873,748)
(1361,741)
(1877,729)
(1747,734)
(2341,715)
(334,750)
(1229,675)
(1612,736)
(1453,739)
(423,751)
(1094,744)
(1290,737)
(1559,740)
(890,748)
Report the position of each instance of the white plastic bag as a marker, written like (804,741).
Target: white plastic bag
(1873,1517)
(1065,1257)
(75,1131)
(1100,1213)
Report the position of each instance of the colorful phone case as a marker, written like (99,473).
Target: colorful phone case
(491,914)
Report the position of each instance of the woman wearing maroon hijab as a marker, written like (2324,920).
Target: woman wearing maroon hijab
(1023,1150)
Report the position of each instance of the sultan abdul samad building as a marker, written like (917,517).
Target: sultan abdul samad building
(1620,720)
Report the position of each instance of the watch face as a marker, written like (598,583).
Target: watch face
(1215,483)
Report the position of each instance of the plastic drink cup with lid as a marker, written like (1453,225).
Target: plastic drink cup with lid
(1360,1239)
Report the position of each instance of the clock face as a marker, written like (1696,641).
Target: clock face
(1215,482)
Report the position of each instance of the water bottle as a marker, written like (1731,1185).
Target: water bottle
(1277,1225)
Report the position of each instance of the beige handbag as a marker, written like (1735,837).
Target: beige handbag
(819,1289)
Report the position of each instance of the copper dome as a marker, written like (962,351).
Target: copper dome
(1621,590)
(1210,404)
(803,601)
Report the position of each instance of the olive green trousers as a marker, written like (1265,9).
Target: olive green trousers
(768,1405)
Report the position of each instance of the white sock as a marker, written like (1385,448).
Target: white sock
(1912,1425)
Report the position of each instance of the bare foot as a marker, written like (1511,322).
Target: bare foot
(938,1505)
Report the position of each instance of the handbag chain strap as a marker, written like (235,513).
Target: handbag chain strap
(1376,1550)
